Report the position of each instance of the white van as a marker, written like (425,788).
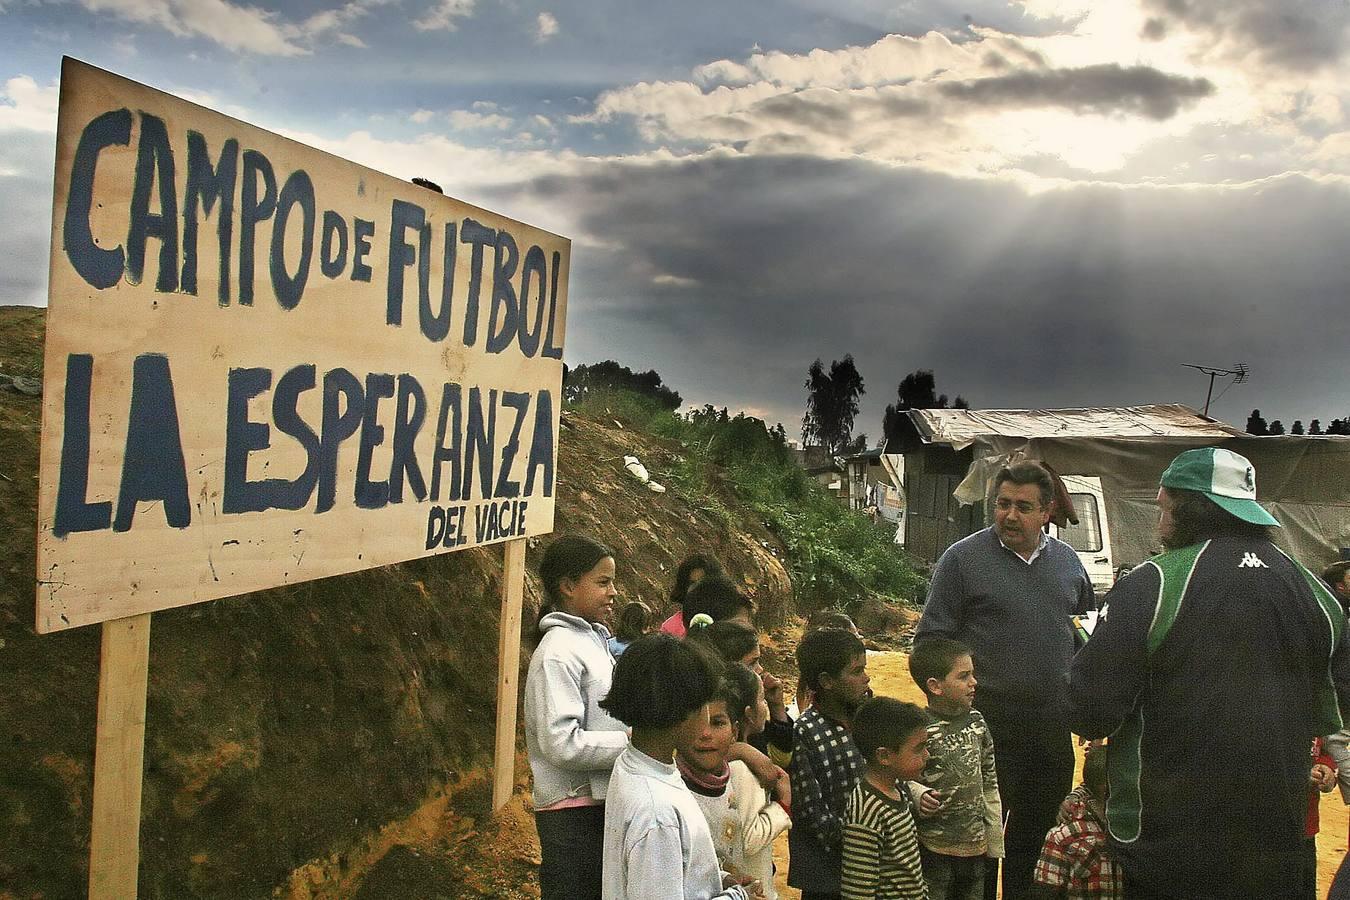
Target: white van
(1091,537)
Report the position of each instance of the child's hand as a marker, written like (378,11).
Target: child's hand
(932,802)
(782,792)
(766,772)
(752,886)
(1322,777)
(773,696)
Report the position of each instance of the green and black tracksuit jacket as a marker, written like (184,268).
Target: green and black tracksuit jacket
(1212,669)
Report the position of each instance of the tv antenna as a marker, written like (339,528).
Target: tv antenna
(1238,373)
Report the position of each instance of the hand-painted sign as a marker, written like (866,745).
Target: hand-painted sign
(265,364)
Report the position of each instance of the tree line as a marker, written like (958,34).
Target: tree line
(1256,424)
(832,396)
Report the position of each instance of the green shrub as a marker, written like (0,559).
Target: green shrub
(836,555)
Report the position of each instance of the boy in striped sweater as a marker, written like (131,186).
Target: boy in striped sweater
(881,844)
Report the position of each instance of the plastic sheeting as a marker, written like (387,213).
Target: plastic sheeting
(962,427)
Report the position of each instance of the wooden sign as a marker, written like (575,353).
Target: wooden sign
(265,364)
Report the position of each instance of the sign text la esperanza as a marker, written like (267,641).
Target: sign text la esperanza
(153,467)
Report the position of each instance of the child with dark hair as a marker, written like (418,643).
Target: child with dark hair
(657,842)
(1075,861)
(731,640)
(831,618)
(960,814)
(572,741)
(736,642)
(633,621)
(743,820)
(692,569)
(826,765)
(881,845)
(717,597)
(820,620)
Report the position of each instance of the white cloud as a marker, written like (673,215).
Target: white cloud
(442,16)
(545,27)
(339,21)
(242,28)
(422,116)
(1095,97)
(26,106)
(466,120)
(450,164)
(667,280)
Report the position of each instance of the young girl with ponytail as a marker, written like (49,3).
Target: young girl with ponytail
(572,742)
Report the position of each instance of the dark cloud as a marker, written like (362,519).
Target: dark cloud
(1103,88)
(1293,34)
(1084,296)
(820,113)
(1154,29)
(830,112)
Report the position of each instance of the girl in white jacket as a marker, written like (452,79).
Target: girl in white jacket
(572,742)
(743,819)
(657,843)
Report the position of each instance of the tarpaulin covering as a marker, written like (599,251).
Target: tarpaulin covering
(1303,480)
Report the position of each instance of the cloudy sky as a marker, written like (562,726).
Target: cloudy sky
(1049,203)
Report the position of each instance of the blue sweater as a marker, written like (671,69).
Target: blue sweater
(1013,615)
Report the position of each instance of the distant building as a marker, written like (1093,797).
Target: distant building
(871,484)
(817,461)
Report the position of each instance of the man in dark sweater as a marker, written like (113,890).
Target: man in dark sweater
(1008,593)
(1212,668)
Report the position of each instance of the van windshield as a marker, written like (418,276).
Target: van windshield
(1086,536)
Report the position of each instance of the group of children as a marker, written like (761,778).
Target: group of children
(656,758)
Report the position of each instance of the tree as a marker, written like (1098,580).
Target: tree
(1297,427)
(1276,427)
(1315,427)
(1256,424)
(917,390)
(1339,426)
(831,403)
(609,375)
(857,445)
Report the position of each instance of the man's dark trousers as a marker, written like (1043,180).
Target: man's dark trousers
(1033,751)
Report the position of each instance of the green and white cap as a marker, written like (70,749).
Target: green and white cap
(1224,477)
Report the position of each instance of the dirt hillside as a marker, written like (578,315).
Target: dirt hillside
(327,739)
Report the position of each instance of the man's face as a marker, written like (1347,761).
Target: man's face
(1166,527)
(1019,516)
(1343,587)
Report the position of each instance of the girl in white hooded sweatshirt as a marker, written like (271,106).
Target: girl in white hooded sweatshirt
(572,742)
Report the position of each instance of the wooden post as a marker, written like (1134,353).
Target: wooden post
(119,754)
(508,672)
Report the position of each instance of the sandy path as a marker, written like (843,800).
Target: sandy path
(890,676)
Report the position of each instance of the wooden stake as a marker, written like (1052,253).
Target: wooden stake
(508,672)
(119,755)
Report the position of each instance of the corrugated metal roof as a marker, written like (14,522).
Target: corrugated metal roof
(962,427)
